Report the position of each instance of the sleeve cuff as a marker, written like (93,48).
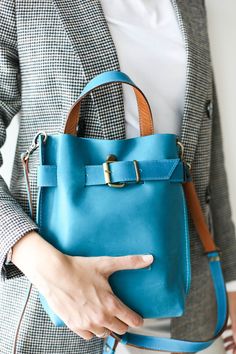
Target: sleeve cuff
(10,270)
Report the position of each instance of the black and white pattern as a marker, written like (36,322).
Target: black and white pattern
(49,49)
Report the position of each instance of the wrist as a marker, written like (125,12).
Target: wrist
(34,256)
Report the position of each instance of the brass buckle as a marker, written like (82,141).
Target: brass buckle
(107,172)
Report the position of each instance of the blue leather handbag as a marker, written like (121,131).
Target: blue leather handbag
(101,197)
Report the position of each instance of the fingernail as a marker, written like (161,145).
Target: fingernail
(147,258)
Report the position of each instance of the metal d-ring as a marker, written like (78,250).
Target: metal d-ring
(182,154)
(34,145)
(41,132)
(181,149)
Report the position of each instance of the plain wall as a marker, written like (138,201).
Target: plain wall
(222,32)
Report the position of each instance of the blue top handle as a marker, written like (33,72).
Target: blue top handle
(107,77)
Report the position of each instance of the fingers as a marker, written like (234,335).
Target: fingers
(102,332)
(108,265)
(115,316)
(117,326)
(105,319)
(113,324)
(82,333)
(104,326)
(122,312)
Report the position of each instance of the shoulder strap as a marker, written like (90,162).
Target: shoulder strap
(213,254)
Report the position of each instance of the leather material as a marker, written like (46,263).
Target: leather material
(172,170)
(198,218)
(145,114)
(64,217)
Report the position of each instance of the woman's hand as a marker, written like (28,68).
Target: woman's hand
(77,288)
(83,297)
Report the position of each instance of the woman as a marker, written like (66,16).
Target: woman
(48,51)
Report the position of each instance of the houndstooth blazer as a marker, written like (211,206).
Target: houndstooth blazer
(49,49)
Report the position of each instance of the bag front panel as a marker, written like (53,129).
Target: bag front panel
(143,218)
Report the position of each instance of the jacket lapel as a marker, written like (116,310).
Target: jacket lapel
(87,29)
(191,18)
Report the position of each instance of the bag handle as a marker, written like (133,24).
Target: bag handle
(107,77)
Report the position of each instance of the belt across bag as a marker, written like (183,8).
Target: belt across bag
(101,197)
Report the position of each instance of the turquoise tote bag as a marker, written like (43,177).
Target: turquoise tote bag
(101,197)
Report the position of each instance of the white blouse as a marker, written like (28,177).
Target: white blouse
(151,51)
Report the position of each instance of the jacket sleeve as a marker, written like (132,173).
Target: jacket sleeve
(223,226)
(14,222)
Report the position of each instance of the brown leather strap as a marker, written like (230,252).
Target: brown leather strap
(198,217)
(26,171)
(145,114)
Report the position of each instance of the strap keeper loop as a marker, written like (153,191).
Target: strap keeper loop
(214,255)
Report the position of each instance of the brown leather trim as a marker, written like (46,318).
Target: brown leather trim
(198,217)
(145,114)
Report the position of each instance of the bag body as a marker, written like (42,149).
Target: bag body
(149,217)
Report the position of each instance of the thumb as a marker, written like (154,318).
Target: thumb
(113,264)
